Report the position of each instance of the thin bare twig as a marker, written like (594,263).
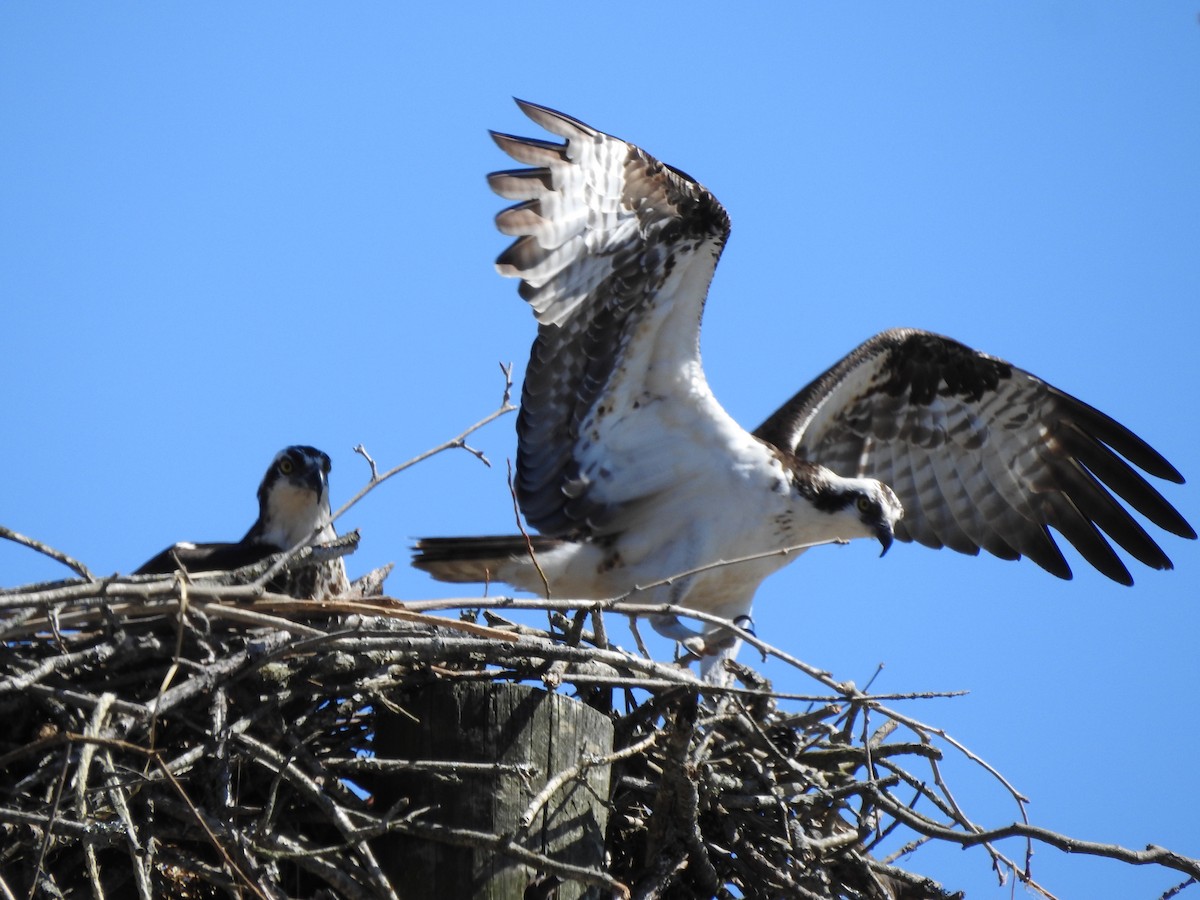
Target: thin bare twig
(512,492)
(362,451)
(573,772)
(60,784)
(57,555)
(169,676)
(1152,855)
(507,846)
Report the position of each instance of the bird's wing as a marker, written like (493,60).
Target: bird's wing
(981,453)
(615,251)
(206,557)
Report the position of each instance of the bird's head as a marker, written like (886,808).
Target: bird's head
(293,499)
(864,507)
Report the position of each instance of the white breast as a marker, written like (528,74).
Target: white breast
(293,514)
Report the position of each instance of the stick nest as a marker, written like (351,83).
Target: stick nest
(209,739)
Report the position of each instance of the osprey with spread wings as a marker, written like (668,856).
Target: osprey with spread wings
(642,486)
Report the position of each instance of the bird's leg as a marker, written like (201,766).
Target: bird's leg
(670,627)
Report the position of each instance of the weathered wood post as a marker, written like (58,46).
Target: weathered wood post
(511,739)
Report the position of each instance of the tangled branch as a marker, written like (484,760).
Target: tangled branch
(210,738)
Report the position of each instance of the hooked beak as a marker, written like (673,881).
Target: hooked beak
(883,533)
(314,480)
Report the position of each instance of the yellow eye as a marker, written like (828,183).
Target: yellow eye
(864,504)
(286,465)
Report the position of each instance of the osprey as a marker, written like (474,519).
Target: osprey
(293,507)
(643,487)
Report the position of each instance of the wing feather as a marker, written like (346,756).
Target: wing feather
(212,557)
(1123,479)
(521,184)
(982,454)
(531,151)
(614,251)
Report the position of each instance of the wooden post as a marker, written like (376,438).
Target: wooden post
(534,735)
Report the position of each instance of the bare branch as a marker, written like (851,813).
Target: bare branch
(362,451)
(1152,855)
(512,492)
(573,773)
(73,564)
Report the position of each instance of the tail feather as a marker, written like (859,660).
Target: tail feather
(475,559)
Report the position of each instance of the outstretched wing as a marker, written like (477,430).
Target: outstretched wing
(981,453)
(615,251)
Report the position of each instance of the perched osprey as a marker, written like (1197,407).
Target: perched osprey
(641,484)
(293,503)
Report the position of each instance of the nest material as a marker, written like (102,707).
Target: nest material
(207,740)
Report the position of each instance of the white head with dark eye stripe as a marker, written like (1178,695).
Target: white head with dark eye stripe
(293,499)
(863,506)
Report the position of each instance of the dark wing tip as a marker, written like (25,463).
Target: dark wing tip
(1119,437)
(555,121)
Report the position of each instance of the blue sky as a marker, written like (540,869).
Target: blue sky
(227,228)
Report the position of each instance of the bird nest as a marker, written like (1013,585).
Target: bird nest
(210,738)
